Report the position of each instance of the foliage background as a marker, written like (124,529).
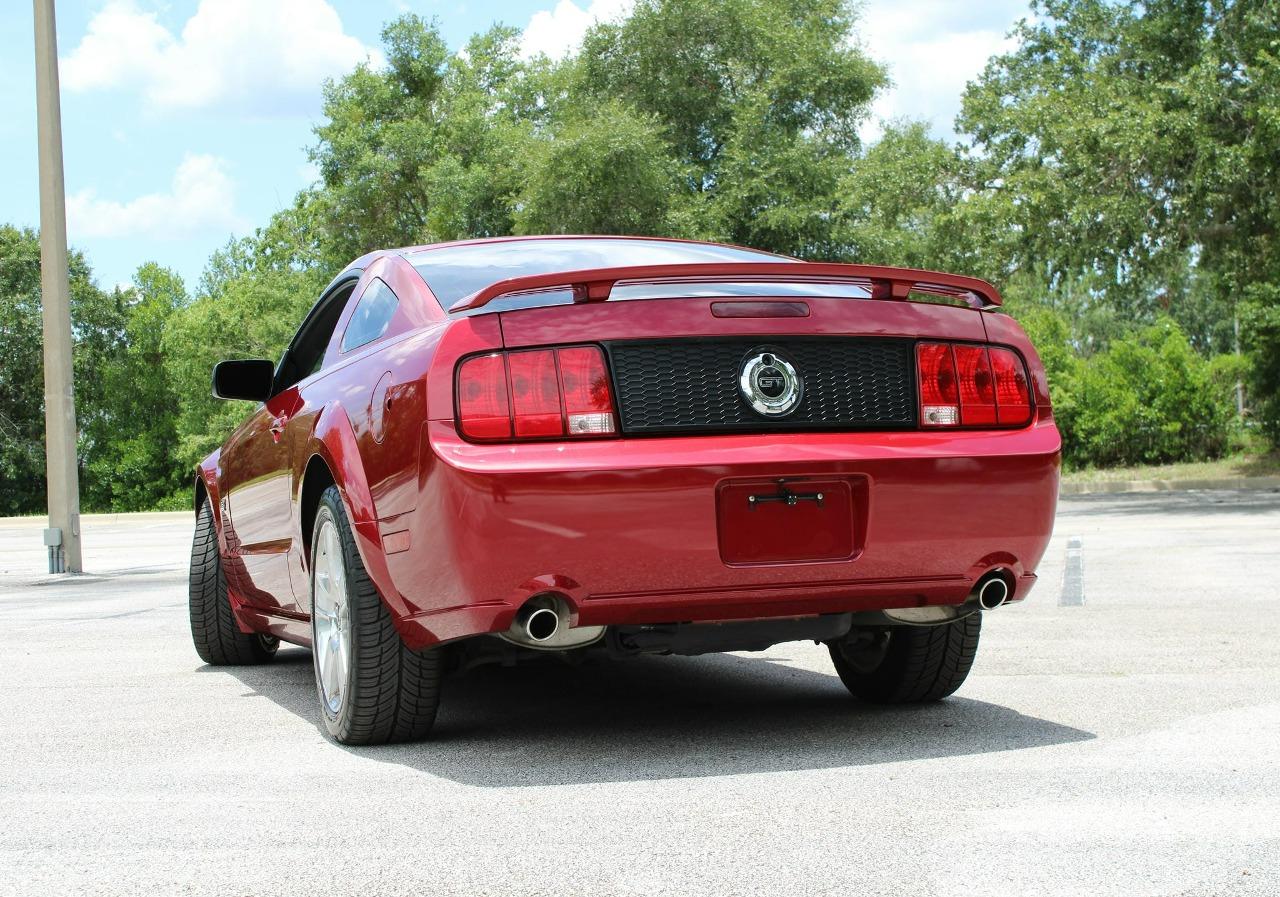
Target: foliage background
(1116,175)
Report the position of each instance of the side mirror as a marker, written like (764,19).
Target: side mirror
(250,379)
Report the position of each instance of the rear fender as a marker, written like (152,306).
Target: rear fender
(334,440)
(479,333)
(1004,330)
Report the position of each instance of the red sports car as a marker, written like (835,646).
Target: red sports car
(478,451)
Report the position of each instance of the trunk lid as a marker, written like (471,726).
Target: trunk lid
(752,364)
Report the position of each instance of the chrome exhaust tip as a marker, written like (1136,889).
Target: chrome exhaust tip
(545,623)
(541,624)
(993,592)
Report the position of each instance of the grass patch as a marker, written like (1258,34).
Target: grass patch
(1247,465)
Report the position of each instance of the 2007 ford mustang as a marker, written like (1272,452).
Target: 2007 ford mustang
(476,451)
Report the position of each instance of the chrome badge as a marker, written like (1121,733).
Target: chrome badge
(769,383)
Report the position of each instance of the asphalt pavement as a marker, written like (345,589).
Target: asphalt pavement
(1119,734)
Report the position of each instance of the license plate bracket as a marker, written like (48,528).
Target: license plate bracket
(785,520)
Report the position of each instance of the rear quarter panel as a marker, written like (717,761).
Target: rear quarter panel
(1002,329)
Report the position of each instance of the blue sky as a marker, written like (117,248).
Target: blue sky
(187,121)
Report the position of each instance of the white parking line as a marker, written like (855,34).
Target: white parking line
(1073,574)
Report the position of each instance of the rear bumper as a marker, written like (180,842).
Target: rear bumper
(626,529)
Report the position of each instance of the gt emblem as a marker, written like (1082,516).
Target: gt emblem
(769,383)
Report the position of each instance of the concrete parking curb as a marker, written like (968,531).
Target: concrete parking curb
(39,521)
(1111,487)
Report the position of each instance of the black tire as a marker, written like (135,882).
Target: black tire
(391,693)
(217,638)
(907,664)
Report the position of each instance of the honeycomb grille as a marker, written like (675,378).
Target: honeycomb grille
(692,385)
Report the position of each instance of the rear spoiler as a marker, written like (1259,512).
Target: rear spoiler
(596,284)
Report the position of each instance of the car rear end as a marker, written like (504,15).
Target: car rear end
(645,461)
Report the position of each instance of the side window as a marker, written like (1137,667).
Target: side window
(372,315)
(305,354)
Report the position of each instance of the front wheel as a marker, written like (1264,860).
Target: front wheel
(217,637)
(372,689)
(907,664)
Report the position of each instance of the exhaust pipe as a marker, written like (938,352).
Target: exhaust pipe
(539,624)
(992,592)
(542,623)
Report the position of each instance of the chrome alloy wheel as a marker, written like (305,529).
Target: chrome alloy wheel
(331,615)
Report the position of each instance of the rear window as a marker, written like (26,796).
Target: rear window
(372,316)
(453,272)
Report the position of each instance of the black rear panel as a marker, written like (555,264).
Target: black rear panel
(691,385)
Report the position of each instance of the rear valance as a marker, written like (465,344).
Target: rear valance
(882,282)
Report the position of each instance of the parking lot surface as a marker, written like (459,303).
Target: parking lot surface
(1120,734)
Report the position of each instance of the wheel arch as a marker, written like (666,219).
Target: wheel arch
(334,444)
(316,478)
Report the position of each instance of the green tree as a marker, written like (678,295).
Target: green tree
(98,329)
(1131,147)
(130,462)
(904,202)
(254,294)
(22,482)
(609,172)
(759,100)
(428,148)
(729,120)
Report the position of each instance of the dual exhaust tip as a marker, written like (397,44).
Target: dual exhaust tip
(538,623)
(991,591)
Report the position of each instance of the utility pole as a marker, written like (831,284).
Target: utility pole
(61,465)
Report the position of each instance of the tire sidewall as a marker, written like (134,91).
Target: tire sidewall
(335,723)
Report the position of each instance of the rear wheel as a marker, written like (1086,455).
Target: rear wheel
(217,638)
(907,664)
(372,689)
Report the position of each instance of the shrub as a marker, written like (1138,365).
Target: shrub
(1261,316)
(1149,398)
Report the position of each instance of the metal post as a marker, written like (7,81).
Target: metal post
(61,465)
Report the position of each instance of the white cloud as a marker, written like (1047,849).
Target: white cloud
(932,48)
(200,199)
(261,57)
(560,31)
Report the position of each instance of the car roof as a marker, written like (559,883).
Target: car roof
(406,250)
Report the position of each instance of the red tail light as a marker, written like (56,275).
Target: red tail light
(972,386)
(588,400)
(535,394)
(1013,394)
(939,398)
(977,390)
(553,393)
(483,408)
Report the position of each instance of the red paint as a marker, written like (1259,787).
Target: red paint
(457,533)
(783,521)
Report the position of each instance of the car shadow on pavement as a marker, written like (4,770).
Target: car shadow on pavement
(552,723)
